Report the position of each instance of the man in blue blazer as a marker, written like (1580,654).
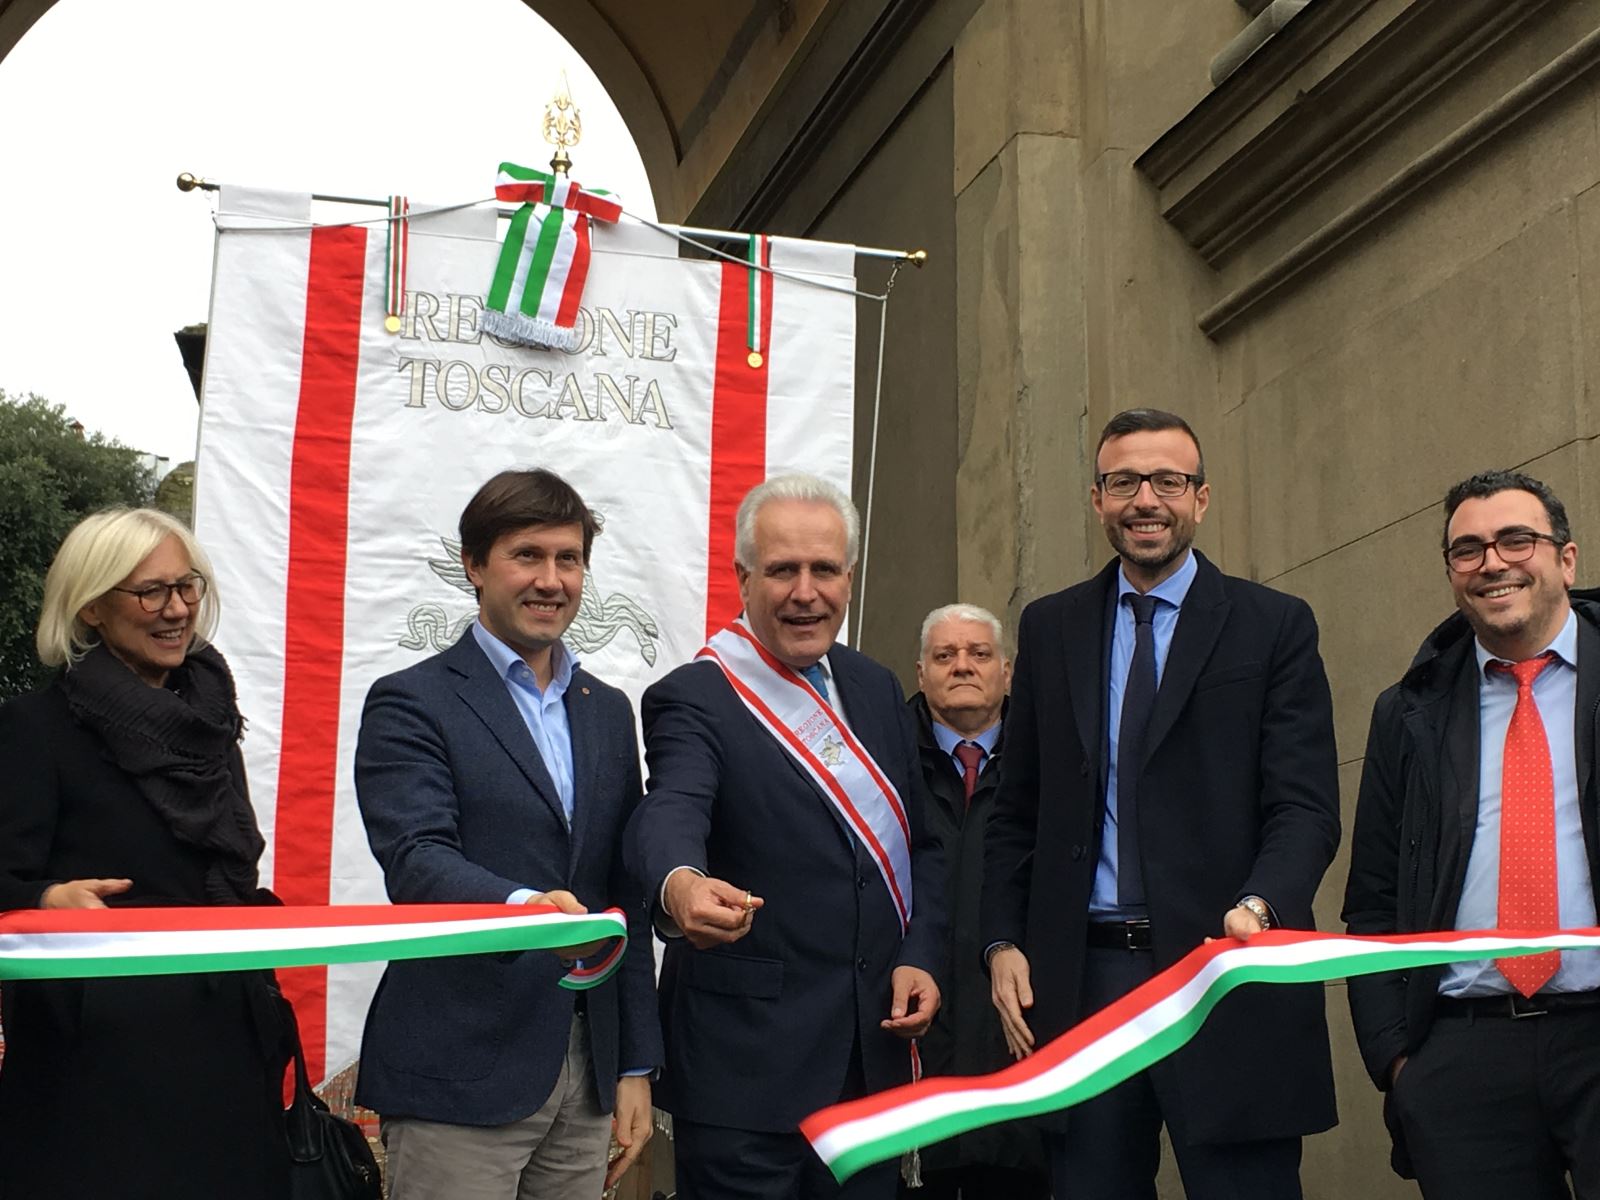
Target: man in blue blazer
(500,771)
(782,841)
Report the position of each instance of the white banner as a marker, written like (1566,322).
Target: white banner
(335,458)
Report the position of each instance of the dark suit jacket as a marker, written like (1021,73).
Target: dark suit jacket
(1238,796)
(180,1074)
(460,808)
(1417,813)
(759,1033)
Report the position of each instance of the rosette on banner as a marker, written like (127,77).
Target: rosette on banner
(335,457)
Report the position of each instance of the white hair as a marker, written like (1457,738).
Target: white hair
(100,552)
(962,612)
(793,487)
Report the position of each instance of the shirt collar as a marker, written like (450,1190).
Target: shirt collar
(949,739)
(506,660)
(1565,645)
(1172,589)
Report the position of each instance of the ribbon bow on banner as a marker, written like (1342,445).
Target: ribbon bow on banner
(538,281)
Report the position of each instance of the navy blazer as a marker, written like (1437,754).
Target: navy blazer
(460,808)
(1238,796)
(759,1033)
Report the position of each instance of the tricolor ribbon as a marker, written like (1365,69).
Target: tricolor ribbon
(758,254)
(538,282)
(397,251)
(1129,1035)
(101,942)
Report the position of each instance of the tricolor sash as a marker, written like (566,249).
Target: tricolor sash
(810,732)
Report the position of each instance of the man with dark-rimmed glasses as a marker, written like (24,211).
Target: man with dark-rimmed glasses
(1478,810)
(1170,776)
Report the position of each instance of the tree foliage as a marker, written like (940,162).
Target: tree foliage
(51,476)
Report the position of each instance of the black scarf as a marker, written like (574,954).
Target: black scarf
(178,743)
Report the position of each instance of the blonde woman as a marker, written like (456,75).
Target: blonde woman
(121,782)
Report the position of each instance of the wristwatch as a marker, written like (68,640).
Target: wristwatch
(1259,910)
(990,952)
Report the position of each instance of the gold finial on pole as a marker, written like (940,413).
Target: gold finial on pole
(563,127)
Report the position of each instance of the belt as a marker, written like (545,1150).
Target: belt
(1515,1005)
(1120,935)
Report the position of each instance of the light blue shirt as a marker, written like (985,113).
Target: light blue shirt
(1170,593)
(1555,692)
(949,739)
(543,712)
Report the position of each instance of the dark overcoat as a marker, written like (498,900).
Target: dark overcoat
(156,1088)
(1238,796)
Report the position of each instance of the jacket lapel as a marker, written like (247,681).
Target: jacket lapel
(1587,706)
(484,692)
(1204,613)
(585,759)
(1085,639)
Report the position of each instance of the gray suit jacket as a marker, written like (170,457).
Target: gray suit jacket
(459,808)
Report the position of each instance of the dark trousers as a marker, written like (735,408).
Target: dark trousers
(1112,1147)
(714,1163)
(1492,1107)
(978,1182)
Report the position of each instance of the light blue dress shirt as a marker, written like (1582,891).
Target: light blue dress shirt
(1170,592)
(543,712)
(949,739)
(1555,692)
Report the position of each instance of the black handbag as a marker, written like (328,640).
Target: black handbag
(329,1159)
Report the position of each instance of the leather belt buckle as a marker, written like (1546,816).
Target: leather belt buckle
(1521,1007)
(1121,935)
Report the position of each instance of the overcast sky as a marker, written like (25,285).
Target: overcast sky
(105,102)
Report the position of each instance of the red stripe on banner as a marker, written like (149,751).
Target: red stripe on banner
(313,649)
(738,434)
(567,313)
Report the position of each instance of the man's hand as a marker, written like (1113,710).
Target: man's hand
(1011,991)
(630,1124)
(567,903)
(710,911)
(1240,923)
(914,1003)
(82,893)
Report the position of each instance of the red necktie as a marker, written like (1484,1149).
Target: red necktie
(1528,894)
(970,754)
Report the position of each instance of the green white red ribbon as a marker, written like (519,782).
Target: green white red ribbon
(1142,1028)
(538,282)
(102,942)
(758,253)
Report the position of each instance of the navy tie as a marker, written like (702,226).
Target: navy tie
(1137,700)
(817,679)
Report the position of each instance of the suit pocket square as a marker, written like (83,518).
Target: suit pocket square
(736,975)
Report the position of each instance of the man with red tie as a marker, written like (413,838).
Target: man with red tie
(1478,810)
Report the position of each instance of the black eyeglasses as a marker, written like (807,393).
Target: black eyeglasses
(1169,485)
(1511,547)
(154,597)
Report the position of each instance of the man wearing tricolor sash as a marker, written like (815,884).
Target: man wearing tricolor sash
(500,771)
(1479,809)
(782,839)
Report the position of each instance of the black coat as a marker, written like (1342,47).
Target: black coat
(1417,812)
(759,1033)
(966,1038)
(1238,796)
(155,1088)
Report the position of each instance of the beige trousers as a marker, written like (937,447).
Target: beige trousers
(558,1153)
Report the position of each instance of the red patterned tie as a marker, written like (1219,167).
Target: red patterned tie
(1528,895)
(970,755)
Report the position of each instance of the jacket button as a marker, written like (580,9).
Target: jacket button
(861,882)
(861,964)
(1083,767)
(1077,854)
